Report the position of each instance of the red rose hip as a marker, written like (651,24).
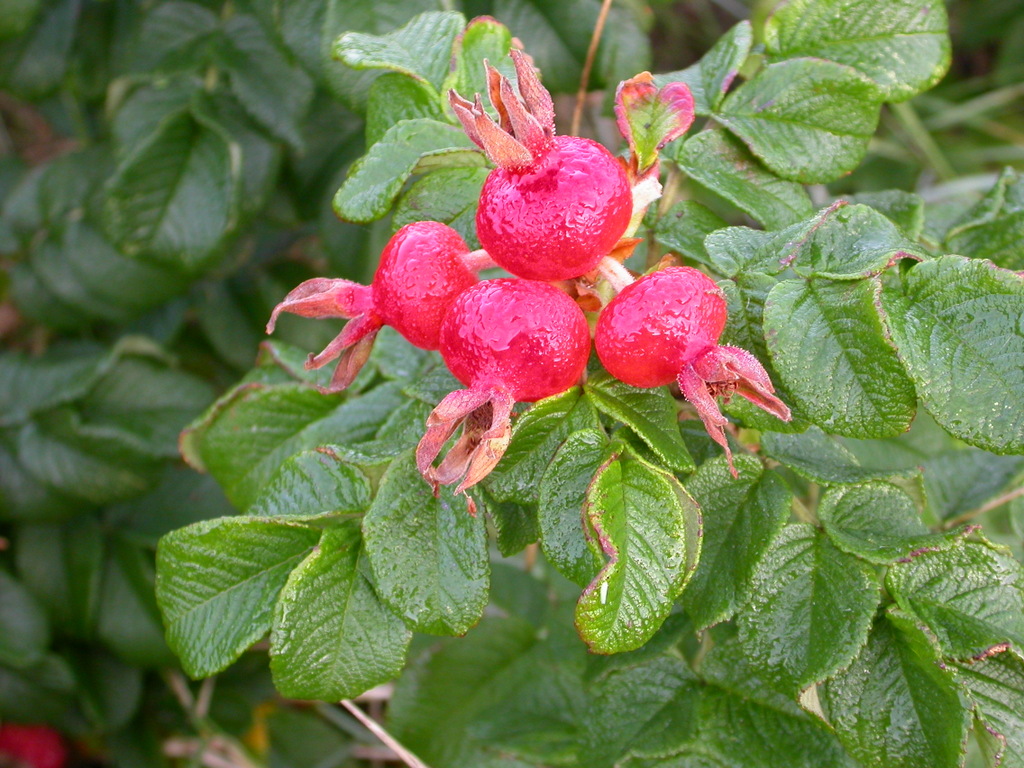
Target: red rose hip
(554,206)
(422,269)
(665,327)
(508,341)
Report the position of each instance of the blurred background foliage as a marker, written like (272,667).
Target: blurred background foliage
(166,175)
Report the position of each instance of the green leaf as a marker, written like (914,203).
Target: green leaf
(394,97)
(174,36)
(376,179)
(742,250)
(36,63)
(275,91)
(724,165)
(26,632)
(484,38)
(823,459)
(971,597)
(16,16)
(421,49)
(850,242)
(173,196)
(902,45)
(810,609)
(879,522)
(313,483)
(429,556)
(129,622)
(905,209)
(742,517)
(448,195)
(829,348)
(996,686)
(961,480)
(563,494)
(40,693)
(536,436)
(650,413)
(651,709)
(436,700)
(332,638)
(808,120)
(956,325)
(683,228)
(650,530)
(217,582)
(711,77)
(895,705)
(62,566)
(290,418)
(994,228)
(29,385)
(96,464)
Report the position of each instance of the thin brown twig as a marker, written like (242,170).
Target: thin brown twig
(377,730)
(988,506)
(595,39)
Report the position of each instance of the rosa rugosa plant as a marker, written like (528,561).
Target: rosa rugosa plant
(621,597)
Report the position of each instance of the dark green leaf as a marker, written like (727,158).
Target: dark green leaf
(710,78)
(40,693)
(62,565)
(994,228)
(174,36)
(32,384)
(959,481)
(651,413)
(26,632)
(902,45)
(429,556)
(971,597)
(448,195)
(650,710)
(437,699)
(563,493)
(957,328)
(515,525)
(275,91)
(810,609)
(16,16)
(217,582)
(830,350)
(173,196)
(376,179)
(878,522)
(809,120)
(895,705)
(996,686)
(34,64)
(129,620)
(742,516)
(737,250)
(724,165)
(650,530)
(332,638)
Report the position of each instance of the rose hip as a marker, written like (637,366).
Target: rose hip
(507,341)
(665,327)
(422,269)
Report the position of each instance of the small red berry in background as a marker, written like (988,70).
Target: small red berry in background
(665,327)
(31,746)
(554,206)
(422,269)
(508,341)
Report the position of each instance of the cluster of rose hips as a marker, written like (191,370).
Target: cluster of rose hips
(550,213)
